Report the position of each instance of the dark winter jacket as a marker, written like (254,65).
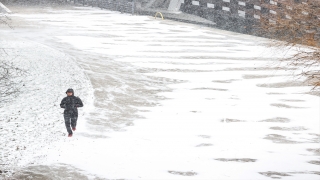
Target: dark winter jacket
(71,103)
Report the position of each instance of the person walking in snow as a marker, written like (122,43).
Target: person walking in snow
(70,105)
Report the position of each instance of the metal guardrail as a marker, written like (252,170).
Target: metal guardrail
(238,15)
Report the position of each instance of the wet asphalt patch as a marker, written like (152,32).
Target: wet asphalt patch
(274,175)
(276,138)
(214,89)
(314,162)
(204,145)
(225,81)
(227,120)
(277,120)
(283,84)
(299,128)
(279,175)
(205,136)
(242,160)
(279,105)
(315,151)
(256,76)
(189,173)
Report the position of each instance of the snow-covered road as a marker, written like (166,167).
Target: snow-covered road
(174,101)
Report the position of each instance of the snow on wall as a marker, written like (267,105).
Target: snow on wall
(4,9)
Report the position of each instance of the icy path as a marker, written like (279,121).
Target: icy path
(177,101)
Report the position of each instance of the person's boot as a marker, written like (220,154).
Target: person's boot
(70,135)
(74,128)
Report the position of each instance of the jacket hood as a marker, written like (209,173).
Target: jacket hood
(70,90)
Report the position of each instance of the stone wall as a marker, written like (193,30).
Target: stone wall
(244,16)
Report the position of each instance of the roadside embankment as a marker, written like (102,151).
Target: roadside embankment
(34,119)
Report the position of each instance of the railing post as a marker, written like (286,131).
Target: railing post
(264,18)
(249,18)
(133,6)
(279,11)
(188,2)
(265,10)
(218,5)
(202,3)
(218,15)
(249,10)
(234,6)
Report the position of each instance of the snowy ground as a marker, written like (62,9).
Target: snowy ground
(171,101)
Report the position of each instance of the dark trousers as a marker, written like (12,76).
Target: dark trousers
(70,119)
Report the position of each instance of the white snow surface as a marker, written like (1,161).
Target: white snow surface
(171,101)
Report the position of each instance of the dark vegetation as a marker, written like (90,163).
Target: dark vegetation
(296,23)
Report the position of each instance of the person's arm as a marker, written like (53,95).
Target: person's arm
(79,103)
(63,103)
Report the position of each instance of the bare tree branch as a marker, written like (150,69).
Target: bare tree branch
(296,23)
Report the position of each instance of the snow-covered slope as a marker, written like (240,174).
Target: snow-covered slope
(34,119)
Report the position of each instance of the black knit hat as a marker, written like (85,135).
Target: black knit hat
(69,90)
